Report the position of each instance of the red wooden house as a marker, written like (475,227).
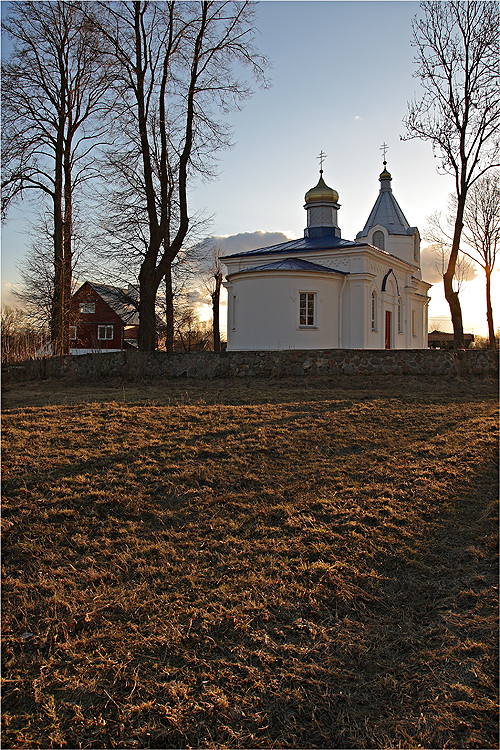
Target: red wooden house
(103,317)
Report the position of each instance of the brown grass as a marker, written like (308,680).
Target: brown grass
(267,564)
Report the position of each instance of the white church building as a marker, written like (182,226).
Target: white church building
(324,292)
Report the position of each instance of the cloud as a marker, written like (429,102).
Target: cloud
(246,241)
(429,263)
(358,117)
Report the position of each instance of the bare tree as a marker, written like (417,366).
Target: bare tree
(480,237)
(457,45)
(462,267)
(36,270)
(482,233)
(22,337)
(212,282)
(191,334)
(175,66)
(440,233)
(53,86)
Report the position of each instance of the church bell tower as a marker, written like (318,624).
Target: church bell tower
(322,206)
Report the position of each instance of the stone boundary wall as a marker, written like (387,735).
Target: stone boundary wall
(140,365)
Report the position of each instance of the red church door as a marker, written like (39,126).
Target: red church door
(388,315)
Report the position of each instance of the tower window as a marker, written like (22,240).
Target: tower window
(379,240)
(307,309)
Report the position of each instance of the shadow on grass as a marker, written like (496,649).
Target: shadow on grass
(249,391)
(312,578)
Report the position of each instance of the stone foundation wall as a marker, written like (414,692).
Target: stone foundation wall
(139,365)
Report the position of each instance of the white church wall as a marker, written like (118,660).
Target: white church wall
(264,306)
(404,248)
(264,311)
(355,306)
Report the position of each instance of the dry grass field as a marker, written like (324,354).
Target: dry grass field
(305,563)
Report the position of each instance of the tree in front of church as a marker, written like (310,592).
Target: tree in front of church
(482,234)
(457,51)
(177,66)
(212,282)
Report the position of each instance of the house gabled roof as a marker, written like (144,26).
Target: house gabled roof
(119,302)
(292,264)
(123,303)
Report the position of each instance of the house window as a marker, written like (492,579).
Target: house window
(374,311)
(307,310)
(104,332)
(379,240)
(72,332)
(414,323)
(234,313)
(87,307)
(400,315)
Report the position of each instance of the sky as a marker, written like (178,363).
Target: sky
(341,78)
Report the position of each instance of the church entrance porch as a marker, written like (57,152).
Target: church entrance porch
(388,316)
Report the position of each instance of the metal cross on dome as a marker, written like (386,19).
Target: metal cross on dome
(321,158)
(384,147)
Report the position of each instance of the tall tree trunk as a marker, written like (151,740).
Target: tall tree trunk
(67,255)
(489,310)
(456,313)
(169,310)
(57,311)
(215,311)
(450,294)
(146,338)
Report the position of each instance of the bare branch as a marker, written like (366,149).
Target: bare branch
(457,47)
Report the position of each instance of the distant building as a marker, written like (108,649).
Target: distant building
(324,292)
(441,340)
(103,318)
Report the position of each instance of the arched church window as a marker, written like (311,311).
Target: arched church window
(400,315)
(379,240)
(374,311)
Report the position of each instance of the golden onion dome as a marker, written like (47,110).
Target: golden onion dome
(321,193)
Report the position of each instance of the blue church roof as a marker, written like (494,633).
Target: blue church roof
(304,244)
(386,210)
(292,264)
